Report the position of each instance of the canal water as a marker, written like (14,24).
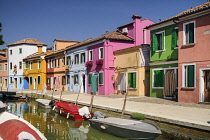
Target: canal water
(56,127)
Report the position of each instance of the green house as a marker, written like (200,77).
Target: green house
(164,59)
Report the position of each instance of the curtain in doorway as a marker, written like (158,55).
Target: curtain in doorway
(94,81)
(57,83)
(52,83)
(169,83)
(122,83)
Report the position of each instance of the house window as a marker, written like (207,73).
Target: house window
(55,61)
(26,65)
(52,63)
(0,80)
(158,41)
(20,65)
(48,63)
(90,55)
(63,61)
(68,79)
(188,75)
(31,65)
(76,59)
(158,78)
(20,50)
(30,80)
(132,79)
(68,60)
(48,81)
(10,52)
(10,65)
(58,62)
(39,79)
(174,38)
(11,80)
(20,80)
(39,64)
(63,80)
(101,78)
(82,58)
(76,77)
(0,67)
(5,67)
(101,53)
(189,33)
(89,78)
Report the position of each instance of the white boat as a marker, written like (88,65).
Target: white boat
(15,128)
(43,103)
(126,128)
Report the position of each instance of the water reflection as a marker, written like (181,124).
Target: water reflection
(54,126)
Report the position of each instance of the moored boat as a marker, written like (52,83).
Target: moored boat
(19,97)
(72,111)
(45,103)
(3,107)
(15,128)
(126,128)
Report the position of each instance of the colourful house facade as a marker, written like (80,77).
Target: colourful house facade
(194,58)
(164,59)
(22,49)
(132,70)
(3,71)
(100,64)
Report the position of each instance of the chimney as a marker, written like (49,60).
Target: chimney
(138,31)
(136,17)
(39,49)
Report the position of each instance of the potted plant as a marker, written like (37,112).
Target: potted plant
(89,63)
(99,62)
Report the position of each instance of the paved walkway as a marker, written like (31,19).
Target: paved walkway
(191,115)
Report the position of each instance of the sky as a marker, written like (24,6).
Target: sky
(46,20)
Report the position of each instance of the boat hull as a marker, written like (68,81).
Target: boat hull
(125,131)
(69,111)
(19,98)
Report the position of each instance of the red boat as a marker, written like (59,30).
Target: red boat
(13,127)
(72,111)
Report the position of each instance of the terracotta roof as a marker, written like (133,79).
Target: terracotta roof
(62,40)
(114,35)
(35,55)
(31,41)
(193,10)
(2,58)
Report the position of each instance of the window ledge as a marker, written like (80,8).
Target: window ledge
(188,45)
(132,88)
(188,87)
(160,50)
(157,87)
(175,48)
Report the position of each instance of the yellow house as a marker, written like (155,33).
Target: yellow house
(35,70)
(132,71)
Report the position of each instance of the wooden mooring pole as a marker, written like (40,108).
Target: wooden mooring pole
(124,104)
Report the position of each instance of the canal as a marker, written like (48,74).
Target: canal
(56,127)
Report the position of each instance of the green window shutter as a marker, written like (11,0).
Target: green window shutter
(20,80)
(191,33)
(174,38)
(163,40)
(158,78)
(190,76)
(89,78)
(134,80)
(100,78)
(154,42)
(129,80)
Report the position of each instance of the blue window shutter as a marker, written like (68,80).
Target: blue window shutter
(154,42)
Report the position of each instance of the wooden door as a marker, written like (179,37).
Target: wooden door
(15,83)
(207,86)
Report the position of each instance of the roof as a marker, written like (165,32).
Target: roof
(114,35)
(35,55)
(193,10)
(62,40)
(31,41)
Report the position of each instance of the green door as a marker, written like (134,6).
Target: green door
(94,81)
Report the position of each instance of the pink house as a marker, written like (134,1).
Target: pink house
(194,58)
(100,64)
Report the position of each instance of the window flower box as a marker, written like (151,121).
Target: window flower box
(88,63)
(99,62)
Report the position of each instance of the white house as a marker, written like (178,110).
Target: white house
(16,52)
